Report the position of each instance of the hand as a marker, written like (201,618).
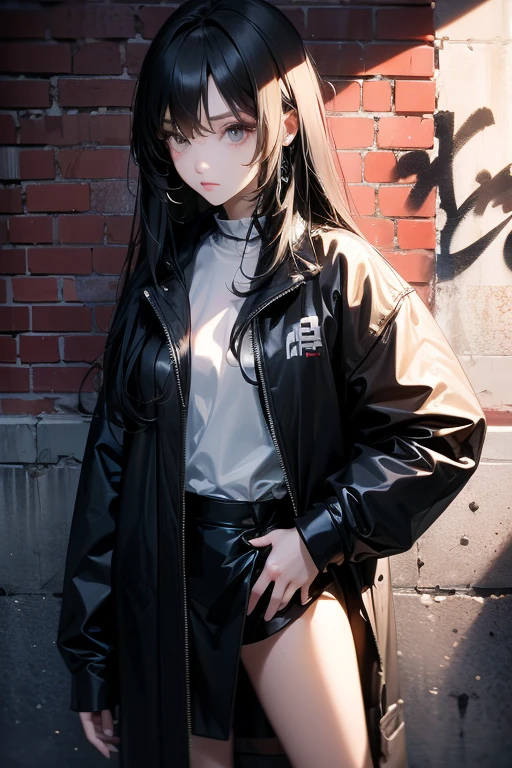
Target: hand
(289,565)
(99,730)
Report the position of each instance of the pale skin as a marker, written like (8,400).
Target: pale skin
(306,676)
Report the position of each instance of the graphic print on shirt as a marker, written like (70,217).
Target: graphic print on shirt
(304,337)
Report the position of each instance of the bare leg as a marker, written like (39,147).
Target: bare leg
(212,753)
(307,680)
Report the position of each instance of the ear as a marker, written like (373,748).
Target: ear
(291,127)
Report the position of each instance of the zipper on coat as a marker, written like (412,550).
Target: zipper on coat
(259,367)
(270,424)
(174,361)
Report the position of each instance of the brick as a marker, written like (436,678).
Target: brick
(37,164)
(405,132)
(96,288)
(7,130)
(61,318)
(110,129)
(57,131)
(10,200)
(351,132)
(30,229)
(152,19)
(405,24)
(21,94)
(135,54)
(3,291)
(39,349)
(13,261)
(81,229)
(83,349)
(94,92)
(351,165)
(14,378)
(395,201)
(337,58)
(33,406)
(394,60)
(377,96)
(414,234)
(58,197)
(7,349)
(415,96)
(21,24)
(414,266)
(3,230)
(108,260)
(60,261)
(363,197)
(61,378)
(14,319)
(97,59)
(378,231)
(68,130)
(102,316)
(69,289)
(93,163)
(339,24)
(34,289)
(97,20)
(112,197)
(380,167)
(32,58)
(118,229)
(346,99)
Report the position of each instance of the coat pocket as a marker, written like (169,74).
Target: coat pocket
(393,743)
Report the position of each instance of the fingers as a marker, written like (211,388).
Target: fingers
(289,593)
(90,733)
(95,725)
(278,597)
(258,589)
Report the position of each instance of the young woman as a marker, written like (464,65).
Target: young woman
(279,414)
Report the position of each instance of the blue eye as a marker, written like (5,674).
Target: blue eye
(238,132)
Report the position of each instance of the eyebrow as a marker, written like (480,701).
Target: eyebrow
(217,117)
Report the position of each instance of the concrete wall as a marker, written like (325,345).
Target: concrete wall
(452,597)
(474,222)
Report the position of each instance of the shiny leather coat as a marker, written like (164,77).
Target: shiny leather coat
(377,428)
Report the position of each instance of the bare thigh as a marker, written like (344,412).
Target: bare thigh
(307,680)
(212,753)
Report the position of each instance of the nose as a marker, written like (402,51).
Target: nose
(201,166)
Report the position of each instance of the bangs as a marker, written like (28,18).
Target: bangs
(199,55)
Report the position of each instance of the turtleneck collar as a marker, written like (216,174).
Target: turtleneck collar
(238,228)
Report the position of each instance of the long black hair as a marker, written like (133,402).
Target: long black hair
(260,65)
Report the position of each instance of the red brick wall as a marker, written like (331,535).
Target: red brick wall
(68,73)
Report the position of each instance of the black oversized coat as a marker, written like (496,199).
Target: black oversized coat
(377,429)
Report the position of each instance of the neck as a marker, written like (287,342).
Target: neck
(239,207)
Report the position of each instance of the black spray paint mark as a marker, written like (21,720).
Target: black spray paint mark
(493,190)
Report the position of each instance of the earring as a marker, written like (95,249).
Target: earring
(285,169)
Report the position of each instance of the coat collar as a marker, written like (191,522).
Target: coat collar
(171,294)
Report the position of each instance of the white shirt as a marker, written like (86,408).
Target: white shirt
(229,450)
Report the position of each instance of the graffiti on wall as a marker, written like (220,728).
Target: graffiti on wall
(491,191)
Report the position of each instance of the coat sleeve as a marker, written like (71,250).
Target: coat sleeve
(415,426)
(86,632)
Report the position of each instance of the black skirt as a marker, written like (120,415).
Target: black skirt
(221,568)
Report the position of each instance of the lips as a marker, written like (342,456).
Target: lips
(209,184)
